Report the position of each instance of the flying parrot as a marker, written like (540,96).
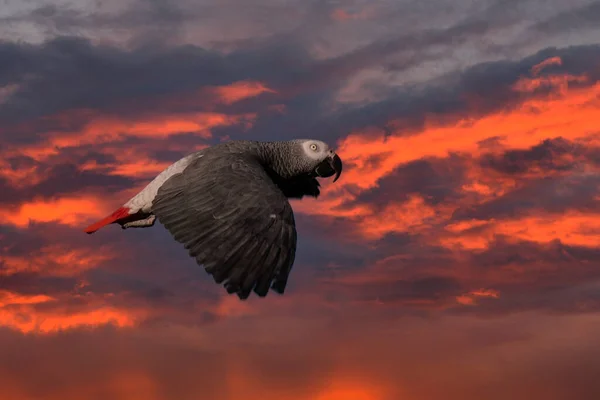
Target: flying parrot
(228,205)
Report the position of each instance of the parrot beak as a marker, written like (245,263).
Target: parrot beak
(330,166)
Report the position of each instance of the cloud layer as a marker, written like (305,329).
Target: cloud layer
(456,258)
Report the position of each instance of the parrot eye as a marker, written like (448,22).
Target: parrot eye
(313,147)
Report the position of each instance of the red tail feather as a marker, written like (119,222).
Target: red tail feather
(122,212)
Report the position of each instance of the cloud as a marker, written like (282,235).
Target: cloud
(434,180)
(70,211)
(82,74)
(467,168)
(21,317)
(237,91)
(578,18)
(456,350)
(466,212)
(572,228)
(469,191)
(470,298)
(31,179)
(79,75)
(551,155)
(564,115)
(53,260)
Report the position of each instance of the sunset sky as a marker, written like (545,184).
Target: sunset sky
(457,258)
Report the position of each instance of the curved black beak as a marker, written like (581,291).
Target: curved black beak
(330,166)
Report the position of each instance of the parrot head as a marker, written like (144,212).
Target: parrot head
(320,159)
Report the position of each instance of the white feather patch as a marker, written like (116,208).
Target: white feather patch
(143,200)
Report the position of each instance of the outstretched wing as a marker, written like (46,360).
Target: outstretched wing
(233,220)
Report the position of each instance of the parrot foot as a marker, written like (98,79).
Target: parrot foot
(140,223)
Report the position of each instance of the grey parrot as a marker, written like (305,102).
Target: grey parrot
(228,205)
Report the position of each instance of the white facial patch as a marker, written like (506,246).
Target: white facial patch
(319,153)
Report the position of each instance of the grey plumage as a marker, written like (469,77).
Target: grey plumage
(230,209)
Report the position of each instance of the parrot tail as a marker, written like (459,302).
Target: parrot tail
(120,213)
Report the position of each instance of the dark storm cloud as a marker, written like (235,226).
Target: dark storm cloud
(571,20)
(433,289)
(476,91)
(68,72)
(577,60)
(14,239)
(552,276)
(553,194)
(149,21)
(551,177)
(349,297)
(526,276)
(395,53)
(552,155)
(36,283)
(60,179)
(437,180)
(72,73)
(167,155)
(402,269)
(164,281)
(505,252)
(67,178)
(16,243)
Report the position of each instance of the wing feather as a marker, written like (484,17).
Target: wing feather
(233,219)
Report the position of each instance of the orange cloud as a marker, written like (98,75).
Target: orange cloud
(68,211)
(105,129)
(571,115)
(55,260)
(328,204)
(240,90)
(102,129)
(19,312)
(26,320)
(411,216)
(135,162)
(8,298)
(141,166)
(560,83)
(547,62)
(470,299)
(21,177)
(571,228)
(109,131)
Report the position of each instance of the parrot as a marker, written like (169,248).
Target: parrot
(228,204)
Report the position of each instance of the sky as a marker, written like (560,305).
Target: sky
(457,257)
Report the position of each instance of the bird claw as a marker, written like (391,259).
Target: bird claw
(140,223)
